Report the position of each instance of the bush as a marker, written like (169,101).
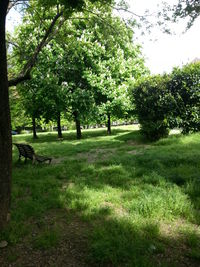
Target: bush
(184,85)
(153,106)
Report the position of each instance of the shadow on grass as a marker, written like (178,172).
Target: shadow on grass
(119,242)
(124,198)
(70,136)
(133,136)
(172,161)
(121,239)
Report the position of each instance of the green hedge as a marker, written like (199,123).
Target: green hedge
(153,106)
(168,101)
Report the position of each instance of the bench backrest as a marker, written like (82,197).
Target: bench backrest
(25,150)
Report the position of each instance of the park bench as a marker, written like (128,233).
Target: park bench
(27,151)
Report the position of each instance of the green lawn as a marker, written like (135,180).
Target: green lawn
(106,201)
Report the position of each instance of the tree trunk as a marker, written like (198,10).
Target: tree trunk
(59,126)
(34,128)
(78,126)
(109,125)
(5,125)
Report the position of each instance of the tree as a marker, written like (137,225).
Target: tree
(5,124)
(44,96)
(79,93)
(98,63)
(120,61)
(28,92)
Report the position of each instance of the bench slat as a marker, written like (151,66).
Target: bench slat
(27,151)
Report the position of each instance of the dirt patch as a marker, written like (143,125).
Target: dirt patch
(70,251)
(135,152)
(102,154)
(58,160)
(139,148)
(119,211)
(68,185)
(136,144)
(97,154)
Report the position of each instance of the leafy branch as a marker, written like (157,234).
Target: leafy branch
(25,74)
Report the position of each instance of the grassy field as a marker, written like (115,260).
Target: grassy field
(106,201)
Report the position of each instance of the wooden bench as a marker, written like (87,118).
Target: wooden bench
(27,151)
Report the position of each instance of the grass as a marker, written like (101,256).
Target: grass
(121,200)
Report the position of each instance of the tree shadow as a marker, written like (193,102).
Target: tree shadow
(68,136)
(169,169)
(120,242)
(132,136)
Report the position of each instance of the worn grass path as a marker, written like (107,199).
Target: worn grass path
(106,201)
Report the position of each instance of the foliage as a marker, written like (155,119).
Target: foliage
(29,98)
(153,105)
(117,60)
(18,115)
(184,85)
(186,8)
(102,63)
(182,9)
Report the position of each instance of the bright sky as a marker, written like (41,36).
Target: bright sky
(165,51)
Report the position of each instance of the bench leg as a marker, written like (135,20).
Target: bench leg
(34,159)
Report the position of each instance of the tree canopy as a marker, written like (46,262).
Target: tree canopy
(89,67)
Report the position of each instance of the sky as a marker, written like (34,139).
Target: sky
(162,52)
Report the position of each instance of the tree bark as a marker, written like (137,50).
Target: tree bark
(78,126)
(5,125)
(59,126)
(109,125)
(34,128)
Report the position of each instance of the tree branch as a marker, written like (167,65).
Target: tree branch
(127,11)
(25,74)
(12,43)
(14,3)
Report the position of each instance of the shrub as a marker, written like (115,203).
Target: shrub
(153,106)
(185,88)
